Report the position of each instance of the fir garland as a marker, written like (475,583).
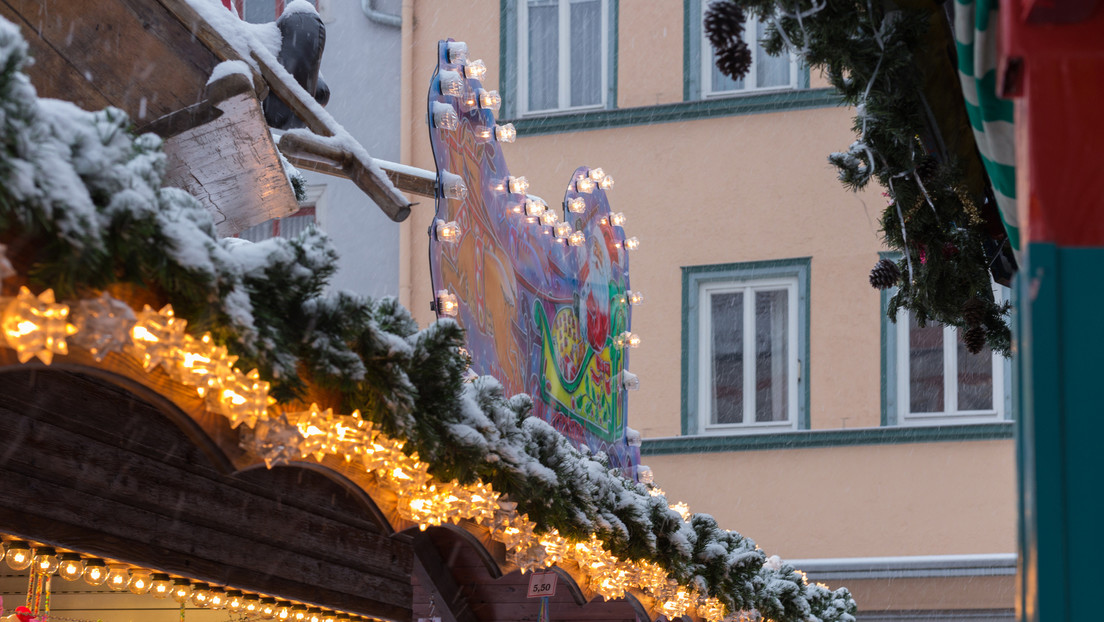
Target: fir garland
(886,60)
(82,209)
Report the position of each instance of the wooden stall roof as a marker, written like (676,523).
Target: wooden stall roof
(152,59)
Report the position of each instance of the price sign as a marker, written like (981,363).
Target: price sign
(542,584)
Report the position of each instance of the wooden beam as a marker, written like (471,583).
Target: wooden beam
(323,156)
(451,604)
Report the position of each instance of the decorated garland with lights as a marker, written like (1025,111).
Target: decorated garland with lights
(85,221)
(889,61)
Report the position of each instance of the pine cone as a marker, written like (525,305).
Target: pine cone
(974,338)
(926,168)
(724,24)
(734,61)
(973,312)
(884,275)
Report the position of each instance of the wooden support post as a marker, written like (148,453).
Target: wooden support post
(431,570)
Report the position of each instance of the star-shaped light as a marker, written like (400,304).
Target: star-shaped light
(157,337)
(103,325)
(37,326)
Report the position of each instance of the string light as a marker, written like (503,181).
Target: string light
(577,238)
(549,218)
(505,133)
(517,185)
(448,231)
(37,326)
(160,585)
(596,174)
(584,185)
(118,576)
(576,205)
(139,581)
(45,560)
(475,70)
(617,219)
(181,591)
(19,555)
(95,572)
(626,339)
(447,304)
(452,186)
(452,83)
(534,206)
(635,298)
(71,567)
(445,117)
(490,100)
(606,182)
(562,230)
(632,244)
(457,52)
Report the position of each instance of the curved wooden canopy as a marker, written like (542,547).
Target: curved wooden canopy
(111,460)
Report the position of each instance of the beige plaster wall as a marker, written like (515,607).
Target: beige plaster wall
(858,501)
(649,53)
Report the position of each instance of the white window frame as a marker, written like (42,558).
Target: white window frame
(563,49)
(707,60)
(950,413)
(704,350)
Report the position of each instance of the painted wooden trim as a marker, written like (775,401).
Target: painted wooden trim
(807,439)
(776,101)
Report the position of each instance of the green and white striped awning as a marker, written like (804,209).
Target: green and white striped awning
(975,31)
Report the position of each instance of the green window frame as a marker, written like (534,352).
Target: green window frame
(510,38)
(895,388)
(693,55)
(698,285)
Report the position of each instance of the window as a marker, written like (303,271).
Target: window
(767,73)
(260,11)
(746,340)
(289,226)
(932,379)
(563,51)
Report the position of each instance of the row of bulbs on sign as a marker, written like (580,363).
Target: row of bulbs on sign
(454,83)
(70,566)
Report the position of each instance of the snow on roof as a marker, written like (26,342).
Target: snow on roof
(258,45)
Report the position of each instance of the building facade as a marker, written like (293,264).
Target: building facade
(879,455)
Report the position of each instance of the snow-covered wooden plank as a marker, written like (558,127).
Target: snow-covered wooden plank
(325,155)
(230,164)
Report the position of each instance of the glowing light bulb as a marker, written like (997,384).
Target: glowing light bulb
(447,303)
(518,185)
(95,572)
(452,83)
(505,133)
(490,100)
(71,567)
(140,581)
(584,185)
(457,52)
(562,230)
(626,340)
(475,70)
(201,594)
(452,186)
(161,585)
(268,608)
(19,555)
(45,560)
(484,133)
(299,613)
(577,238)
(234,600)
(283,610)
(632,244)
(181,590)
(534,206)
(444,117)
(617,219)
(596,174)
(606,182)
(217,599)
(448,231)
(251,604)
(549,218)
(635,298)
(629,381)
(118,576)
(577,205)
